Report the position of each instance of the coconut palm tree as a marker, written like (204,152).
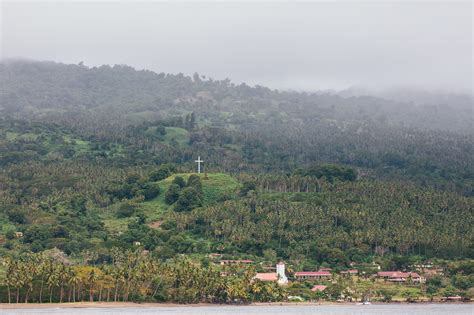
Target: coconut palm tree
(29,273)
(7,263)
(73,279)
(17,278)
(42,268)
(52,280)
(92,279)
(63,275)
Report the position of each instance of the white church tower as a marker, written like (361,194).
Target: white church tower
(280,269)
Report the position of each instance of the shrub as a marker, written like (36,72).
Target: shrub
(178,180)
(172,194)
(126,210)
(188,200)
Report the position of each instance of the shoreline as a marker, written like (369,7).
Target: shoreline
(157,305)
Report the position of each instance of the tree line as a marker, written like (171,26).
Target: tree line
(129,276)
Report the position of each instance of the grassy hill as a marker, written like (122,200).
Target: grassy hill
(178,135)
(215,187)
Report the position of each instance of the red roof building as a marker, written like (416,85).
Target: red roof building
(267,276)
(399,276)
(318,287)
(304,275)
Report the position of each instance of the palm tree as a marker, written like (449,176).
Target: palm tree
(29,272)
(52,280)
(73,279)
(44,267)
(17,278)
(63,274)
(92,278)
(8,263)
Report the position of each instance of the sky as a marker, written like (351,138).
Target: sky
(286,45)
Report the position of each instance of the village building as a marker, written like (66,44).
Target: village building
(376,266)
(280,268)
(428,264)
(400,276)
(312,275)
(279,276)
(319,287)
(235,261)
(267,276)
(350,272)
(433,272)
(215,256)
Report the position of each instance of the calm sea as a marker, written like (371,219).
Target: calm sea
(390,309)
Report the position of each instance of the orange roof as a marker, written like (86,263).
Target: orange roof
(319,287)
(312,274)
(266,276)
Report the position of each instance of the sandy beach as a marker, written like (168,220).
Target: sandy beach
(149,305)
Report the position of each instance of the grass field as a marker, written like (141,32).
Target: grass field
(180,135)
(215,187)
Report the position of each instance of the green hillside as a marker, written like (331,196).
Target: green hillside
(215,186)
(323,181)
(178,135)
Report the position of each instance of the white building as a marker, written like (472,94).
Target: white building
(280,269)
(278,276)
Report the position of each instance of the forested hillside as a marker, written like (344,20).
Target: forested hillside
(95,159)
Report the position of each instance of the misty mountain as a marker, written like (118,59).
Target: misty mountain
(93,159)
(238,127)
(37,89)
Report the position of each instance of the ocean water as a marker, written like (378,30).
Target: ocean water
(385,309)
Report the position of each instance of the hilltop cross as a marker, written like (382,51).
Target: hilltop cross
(199,161)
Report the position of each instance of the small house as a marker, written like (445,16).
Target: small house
(318,287)
(267,276)
(399,276)
(312,275)
(235,261)
(279,276)
(350,272)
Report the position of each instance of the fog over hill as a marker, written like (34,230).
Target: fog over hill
(49,84)
(298,128)
(307,46)
(413,96)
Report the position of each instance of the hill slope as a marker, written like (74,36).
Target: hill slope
(87,157)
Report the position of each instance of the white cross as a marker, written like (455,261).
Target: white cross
(199,161)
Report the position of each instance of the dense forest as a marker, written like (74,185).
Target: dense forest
(96,167)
